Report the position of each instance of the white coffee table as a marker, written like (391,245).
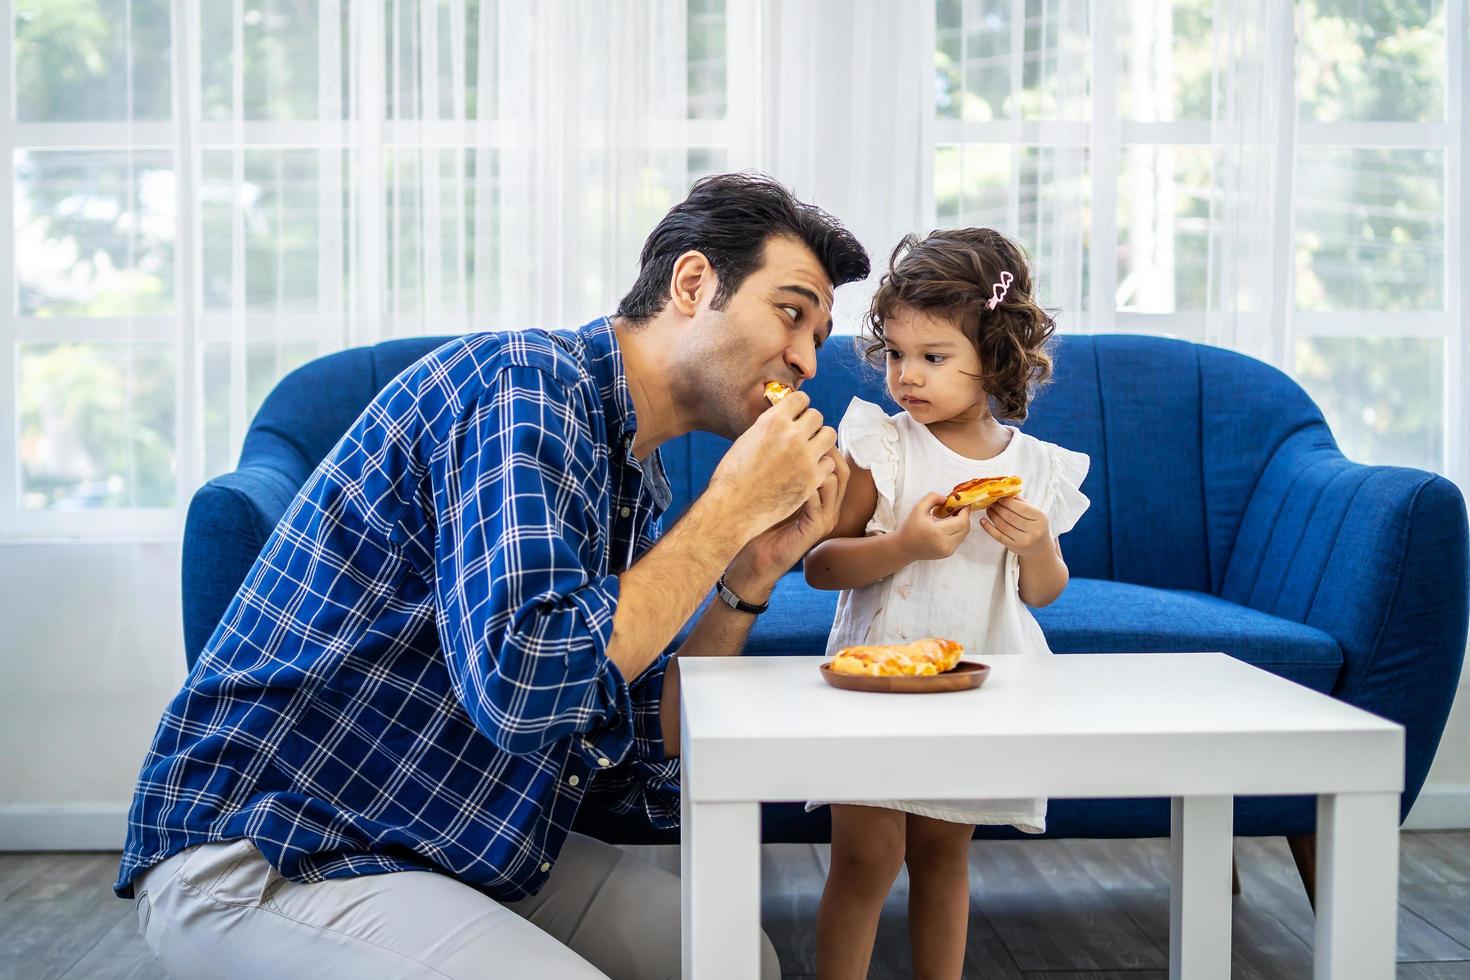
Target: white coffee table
(1200,728)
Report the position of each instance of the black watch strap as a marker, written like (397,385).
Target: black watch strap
(735,602)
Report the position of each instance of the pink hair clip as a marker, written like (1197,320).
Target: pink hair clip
(999,290)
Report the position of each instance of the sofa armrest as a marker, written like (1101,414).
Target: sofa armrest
(1376,557)
(229,519)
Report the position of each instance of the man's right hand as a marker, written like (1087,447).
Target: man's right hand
(776,465)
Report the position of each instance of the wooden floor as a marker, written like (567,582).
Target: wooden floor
(1041,910)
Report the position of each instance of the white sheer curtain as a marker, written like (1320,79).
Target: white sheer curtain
(593,98)
(1142,159)
(841,103)
(435,166)
(245,185)
(205,195)
(1253,141)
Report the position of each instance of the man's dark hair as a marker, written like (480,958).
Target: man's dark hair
(728,218)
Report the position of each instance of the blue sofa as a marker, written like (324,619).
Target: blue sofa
(1223,518)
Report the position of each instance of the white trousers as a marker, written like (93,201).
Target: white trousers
(221,911)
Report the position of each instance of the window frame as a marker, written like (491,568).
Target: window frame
(191,327)
(1116,134)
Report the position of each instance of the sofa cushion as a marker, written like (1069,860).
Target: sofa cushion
(1140,619)
(798,621)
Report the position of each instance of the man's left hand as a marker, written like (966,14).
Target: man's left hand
(769,555)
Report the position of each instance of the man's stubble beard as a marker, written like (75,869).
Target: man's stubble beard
(707,379)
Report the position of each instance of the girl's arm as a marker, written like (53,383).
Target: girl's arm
(850,560)
(1043,575)
(1025,530)
(847,559)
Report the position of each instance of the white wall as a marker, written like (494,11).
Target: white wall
(90,657)
(1445,802)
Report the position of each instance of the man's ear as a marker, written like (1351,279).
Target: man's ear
(692,282)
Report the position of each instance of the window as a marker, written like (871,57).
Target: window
(205,196)
(1090,141)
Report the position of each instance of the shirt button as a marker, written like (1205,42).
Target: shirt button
(604,762)
(625,512)
(573,780)
(546,866)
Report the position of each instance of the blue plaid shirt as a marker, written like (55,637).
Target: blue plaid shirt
(414,674)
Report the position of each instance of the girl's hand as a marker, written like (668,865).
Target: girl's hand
(926,536)
(1019,526)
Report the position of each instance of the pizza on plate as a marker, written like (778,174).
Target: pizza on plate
(922,658)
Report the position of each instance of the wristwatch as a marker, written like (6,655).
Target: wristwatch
(738,604)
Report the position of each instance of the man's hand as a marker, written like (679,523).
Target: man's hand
(773,552)
(776,467)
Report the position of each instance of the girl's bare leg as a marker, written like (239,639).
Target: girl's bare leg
(867,852)
(937,853)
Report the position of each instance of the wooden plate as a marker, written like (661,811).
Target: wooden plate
(964,675)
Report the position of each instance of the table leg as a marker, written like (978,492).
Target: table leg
(720,868)
(1199,887)
(1357,886)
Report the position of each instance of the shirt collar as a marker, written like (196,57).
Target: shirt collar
(605,364)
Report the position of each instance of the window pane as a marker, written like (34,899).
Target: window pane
(706,160)
(706,57)
(619,213)
(1040,196)
(280,41)
(1164,55)
(437,274)
(977,74)
(403,47)
(1372,59)
(1058,59)
(1163,228)
(481,93)
(456,64)
(282,211)
(85,60)
(1382,396)
(266,363)
(94,232)
(96,425)
(1370,229)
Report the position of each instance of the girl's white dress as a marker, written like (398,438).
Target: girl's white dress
(972,596)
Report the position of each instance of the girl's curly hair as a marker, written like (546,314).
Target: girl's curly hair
(950,274)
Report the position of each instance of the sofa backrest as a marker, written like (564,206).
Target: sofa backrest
(312,407)
(1178,434)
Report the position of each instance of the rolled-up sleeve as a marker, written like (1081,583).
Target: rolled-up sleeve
(525,610)
(646,781)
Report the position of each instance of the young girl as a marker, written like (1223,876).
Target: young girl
(966,346)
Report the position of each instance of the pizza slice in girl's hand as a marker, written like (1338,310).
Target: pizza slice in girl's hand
(922,658)
(980,494)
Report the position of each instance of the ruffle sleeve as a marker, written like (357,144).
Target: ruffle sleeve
(870,437)
(1066,501)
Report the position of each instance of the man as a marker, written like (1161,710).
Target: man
(459,629)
